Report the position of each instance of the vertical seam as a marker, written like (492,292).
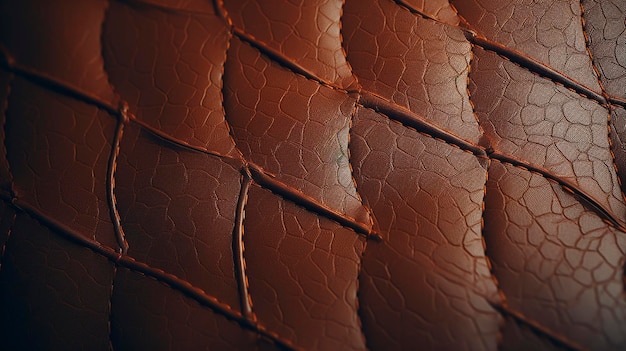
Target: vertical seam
(609,106)
(110,331)
(500,292)
(358,296)
(222,13)
(3,111)
(122,120)
(239,248)
(343,49)
(588,48)
(4,246)
(367,208)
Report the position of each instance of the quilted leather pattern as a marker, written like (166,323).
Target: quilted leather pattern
(313,174)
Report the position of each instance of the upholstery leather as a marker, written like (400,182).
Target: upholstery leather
(312,174)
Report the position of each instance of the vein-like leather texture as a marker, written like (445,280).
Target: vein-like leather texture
(312,175)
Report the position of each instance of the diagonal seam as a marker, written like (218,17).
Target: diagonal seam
(268,182)
(123,260)
(478,150)
(537,327)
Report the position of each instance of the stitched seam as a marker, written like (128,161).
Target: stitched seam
(519,317)
(610,148)
(588,48)
(469,95)
(128,262)
(606,95)
(223,13)
(85,97)
(369,211)
(177,142)
(248,296)
(343,48)
(359,320)
(157,130)
(52,83)
(161,7)
(282,60)
(291,194)
(239,247)
(220,10)
(602,103)
(105,17)
(110,331)
(500,292)
(255,327)
(489,155)
(4,246)
(469,30)
(3,111)
(613,159)
(465,22)
(570,190)
(111,169)
(408,7)
(371,219)
(231,133)
(59,87)
(420,132)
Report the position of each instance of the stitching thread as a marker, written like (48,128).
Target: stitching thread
(4,246)
(111,307)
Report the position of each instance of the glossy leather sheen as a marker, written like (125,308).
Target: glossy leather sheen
(313,174)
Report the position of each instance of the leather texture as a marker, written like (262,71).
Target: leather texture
(312,174)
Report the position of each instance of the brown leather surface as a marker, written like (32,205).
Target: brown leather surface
(317,175)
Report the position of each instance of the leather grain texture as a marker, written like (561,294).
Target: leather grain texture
(312,175)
